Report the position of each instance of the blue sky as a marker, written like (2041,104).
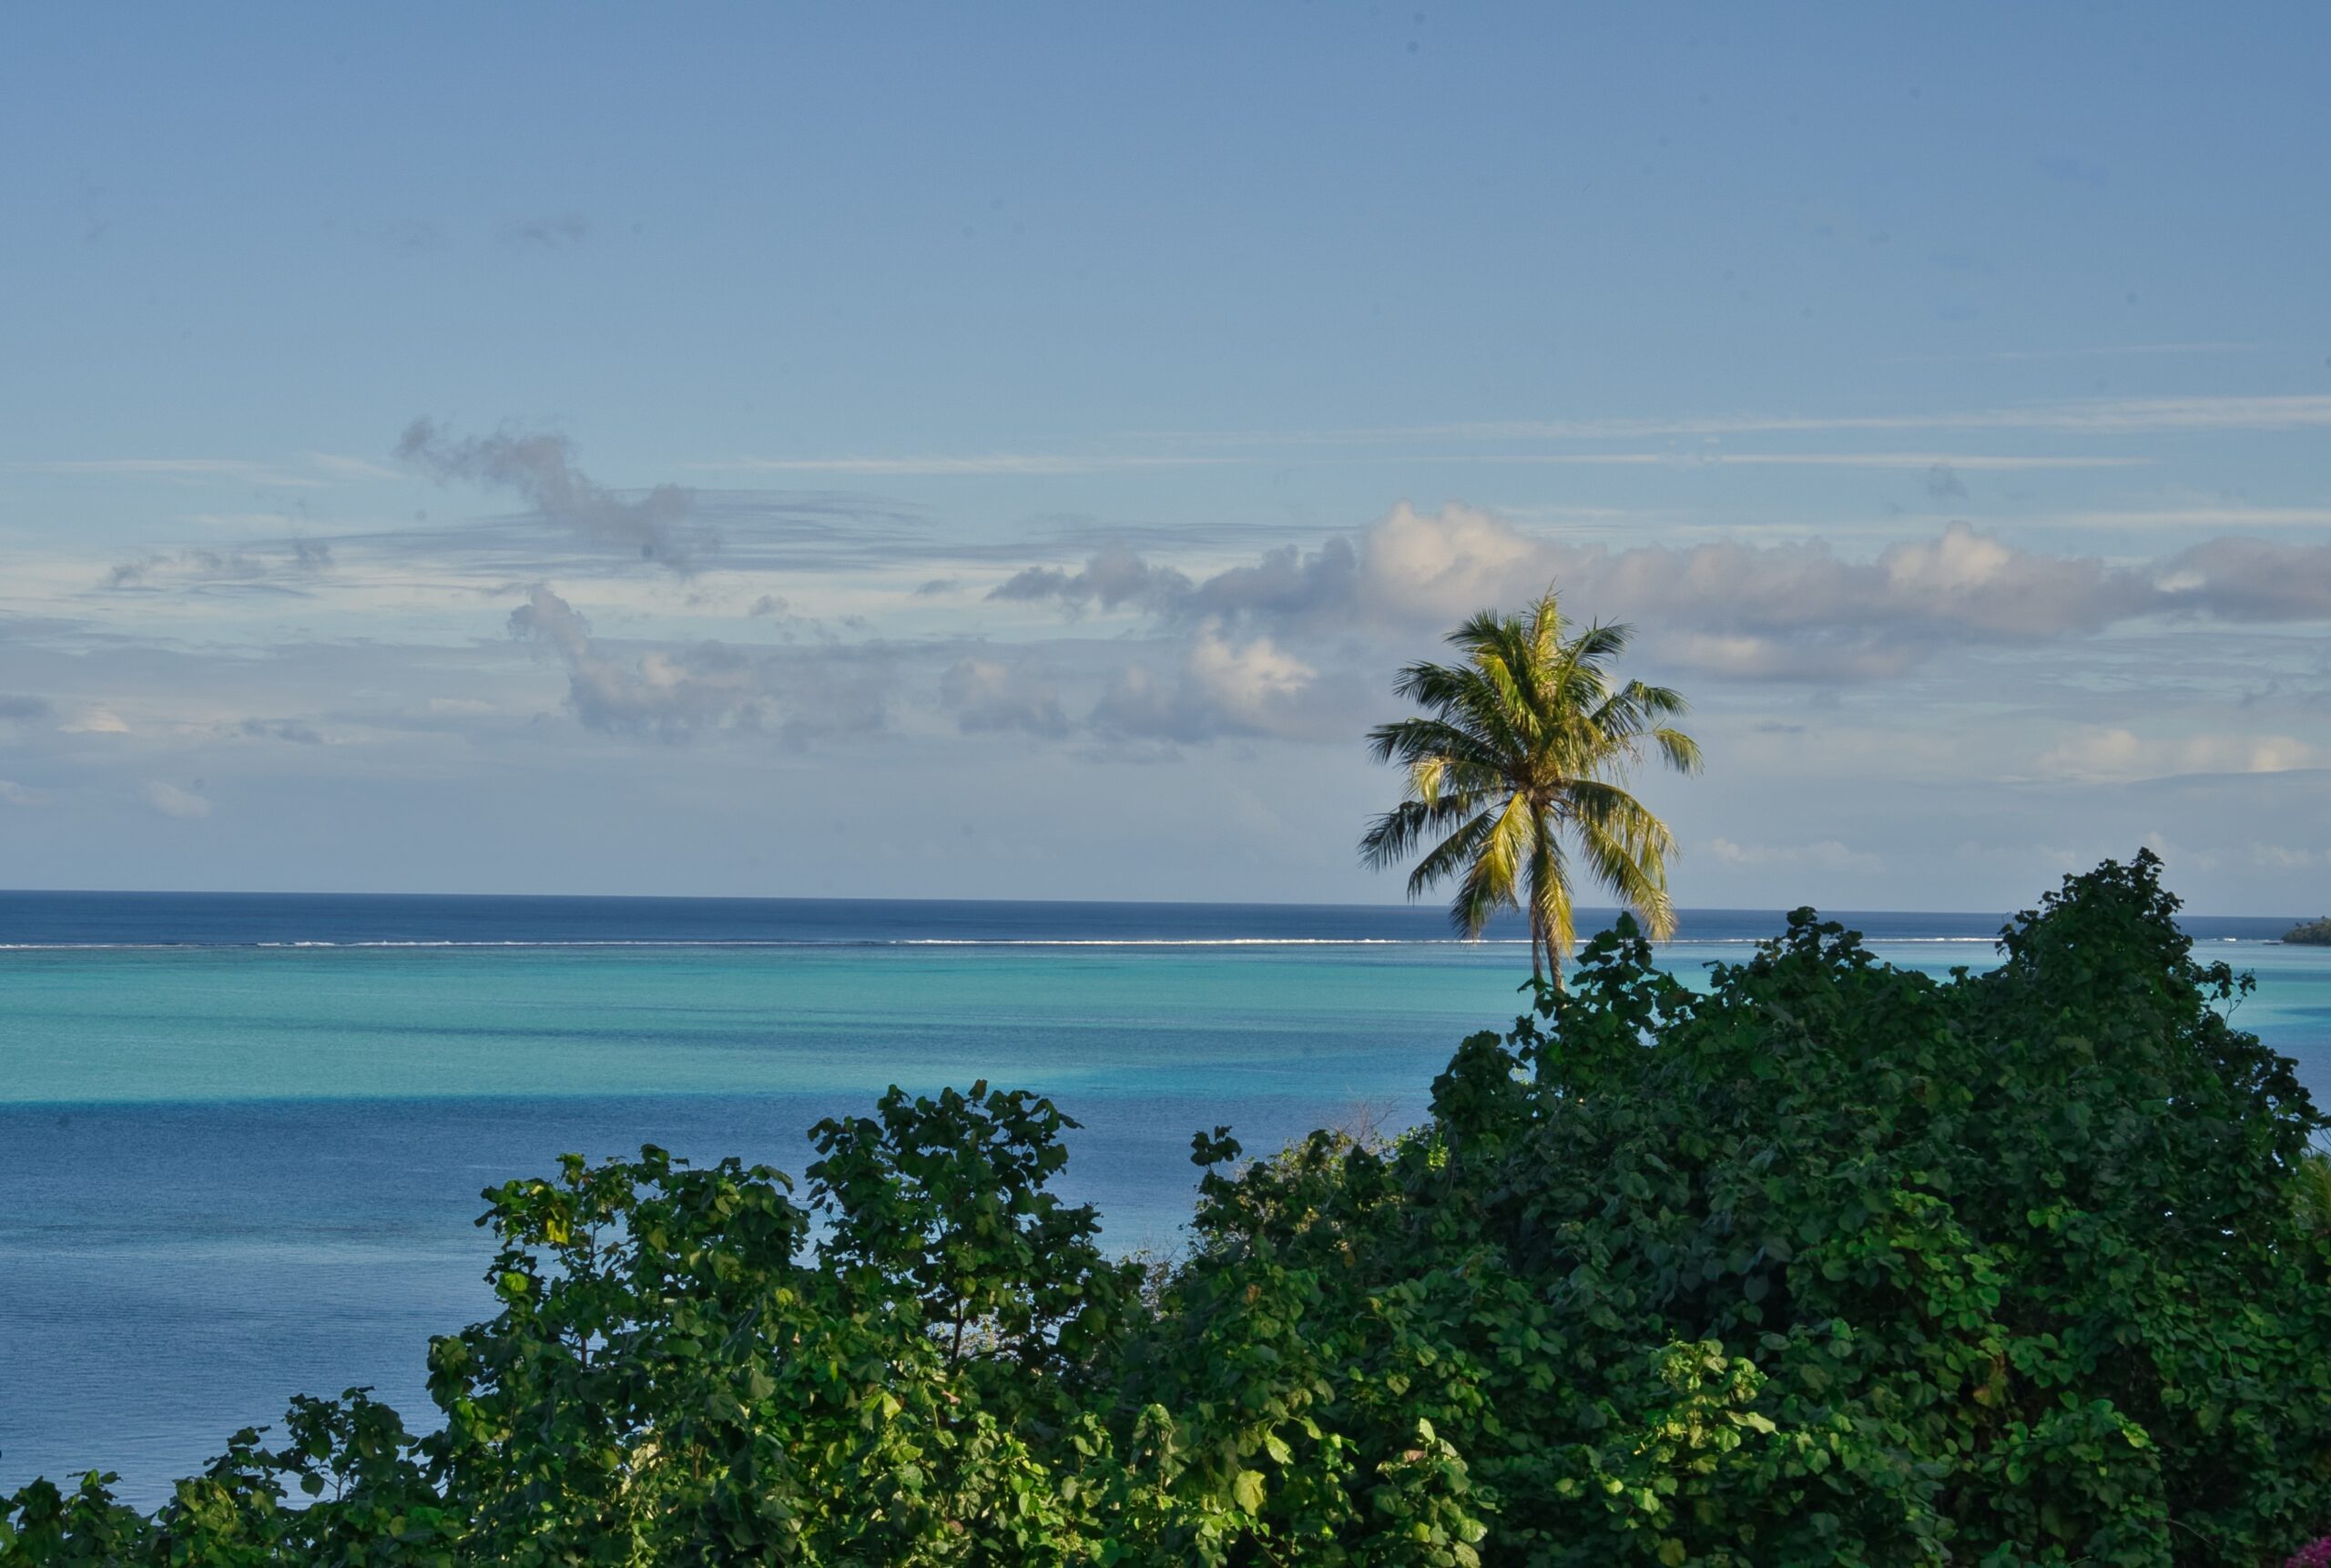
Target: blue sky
(587,450)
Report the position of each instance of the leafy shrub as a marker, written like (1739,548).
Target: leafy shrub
(1834,1264)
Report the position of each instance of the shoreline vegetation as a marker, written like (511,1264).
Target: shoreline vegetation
(2310,934)
(1832,1263)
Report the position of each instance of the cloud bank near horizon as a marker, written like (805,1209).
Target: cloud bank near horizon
(678,633)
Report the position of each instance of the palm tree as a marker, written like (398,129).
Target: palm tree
(1522,746)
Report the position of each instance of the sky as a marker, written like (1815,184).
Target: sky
(1008,451)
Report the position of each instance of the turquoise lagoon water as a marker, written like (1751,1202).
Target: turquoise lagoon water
(232,1169)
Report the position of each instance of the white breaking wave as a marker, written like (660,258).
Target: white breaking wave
(840,943)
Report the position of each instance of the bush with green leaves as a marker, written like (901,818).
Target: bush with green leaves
(1826,1263)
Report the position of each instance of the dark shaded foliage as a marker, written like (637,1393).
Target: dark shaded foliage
(1830,1264)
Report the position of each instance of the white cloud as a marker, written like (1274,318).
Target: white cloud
(1791,610)
(993,695)
(1828,855)
(95,722)
(172,801)
(1250,681)
(2177,857)
(1227,687)
(2106,754)
(675,694)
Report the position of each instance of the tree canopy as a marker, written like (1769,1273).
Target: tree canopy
(1827,1263)
(1518,764)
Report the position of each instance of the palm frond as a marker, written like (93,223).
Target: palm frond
(1491,881)
(1524,745)
(1396,834)
(1451,855)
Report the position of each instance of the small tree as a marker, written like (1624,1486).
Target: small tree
(1523,746)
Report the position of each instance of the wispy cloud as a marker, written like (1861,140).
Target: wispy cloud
(1914,460)
(191,469)
(2086,418)
(967,465)
(549,231)
(2091,351)
(343,467)
(2096,416)
(2193,517)
(1828,854)
(2116,754)
(95,722)
(208,569)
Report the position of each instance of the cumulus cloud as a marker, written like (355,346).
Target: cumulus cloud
(1793,608)
(2242,579)
(674,695)
(1227,687)
(1116,576)
(172,801)
(1794,611)
(540,470)
(992,696)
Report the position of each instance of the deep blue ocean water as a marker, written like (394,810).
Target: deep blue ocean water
(242,1137)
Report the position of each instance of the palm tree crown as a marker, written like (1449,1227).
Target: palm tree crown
(1523,746)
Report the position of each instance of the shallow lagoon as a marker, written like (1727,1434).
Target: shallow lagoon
(235,1172)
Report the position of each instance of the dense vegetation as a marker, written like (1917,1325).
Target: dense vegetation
(1832,1264)
(2311,933)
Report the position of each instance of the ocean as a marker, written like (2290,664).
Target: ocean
(242,1137)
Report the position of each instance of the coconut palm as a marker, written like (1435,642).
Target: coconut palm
(1516,772)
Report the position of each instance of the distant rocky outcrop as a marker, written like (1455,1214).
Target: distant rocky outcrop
(2314,933)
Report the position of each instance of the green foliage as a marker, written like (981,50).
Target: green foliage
(1832,1264)
(2311,933)
(1518,763)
